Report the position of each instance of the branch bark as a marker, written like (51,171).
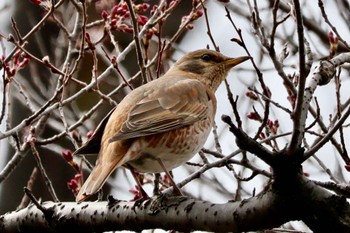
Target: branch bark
(289,197)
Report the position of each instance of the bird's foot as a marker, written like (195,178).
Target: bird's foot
(138,202)
(164,201)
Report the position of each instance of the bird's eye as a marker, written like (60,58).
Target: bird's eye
(206,57)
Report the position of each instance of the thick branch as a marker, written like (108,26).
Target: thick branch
(294,199)
(177,213)
(246,143)
(321,75)
(295,143)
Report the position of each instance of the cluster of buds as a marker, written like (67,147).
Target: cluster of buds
(119,17)
(271,128)
(154,30)
(188,19)
(148,36)
(75,183)
(164,7)
(150,32)
(19,61)
(272,125)
(141,8)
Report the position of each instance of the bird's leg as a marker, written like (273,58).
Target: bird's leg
(138,182)
(156,191)
(176,189)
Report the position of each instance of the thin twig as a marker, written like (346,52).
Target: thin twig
(328,136)
(4,99)
(334,29)
(34,29)
(43,171)
(116,66)
(138,44)
(208,27)
(265,89)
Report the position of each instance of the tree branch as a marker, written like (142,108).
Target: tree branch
(280,202)
(246,143)
(295,142)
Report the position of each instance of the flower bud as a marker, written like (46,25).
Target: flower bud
(104,15)
(24,62)
(334,42)
(197,14)
(89,134)
(142,20)
(36,2)
(347,167)
(254,116)
(67,155)
(252,95)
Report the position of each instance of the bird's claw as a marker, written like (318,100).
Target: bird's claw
(164,201)
(139,201)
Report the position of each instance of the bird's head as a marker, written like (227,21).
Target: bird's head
(209,67)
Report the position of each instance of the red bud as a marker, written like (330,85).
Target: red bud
(104,15)
(254,116)
(36,2)
(251,95)
(67,155)
(347,167)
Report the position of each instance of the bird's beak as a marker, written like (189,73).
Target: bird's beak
(231,62)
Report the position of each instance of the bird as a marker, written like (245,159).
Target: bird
(161,124)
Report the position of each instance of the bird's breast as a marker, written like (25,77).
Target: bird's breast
(174,147)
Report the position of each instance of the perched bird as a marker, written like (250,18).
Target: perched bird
(161,124)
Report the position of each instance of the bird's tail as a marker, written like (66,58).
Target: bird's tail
(96,179)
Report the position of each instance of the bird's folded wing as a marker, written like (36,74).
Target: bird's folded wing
(93,145)
(164,109)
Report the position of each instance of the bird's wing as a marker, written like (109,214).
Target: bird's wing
(166,107)
(93,145)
